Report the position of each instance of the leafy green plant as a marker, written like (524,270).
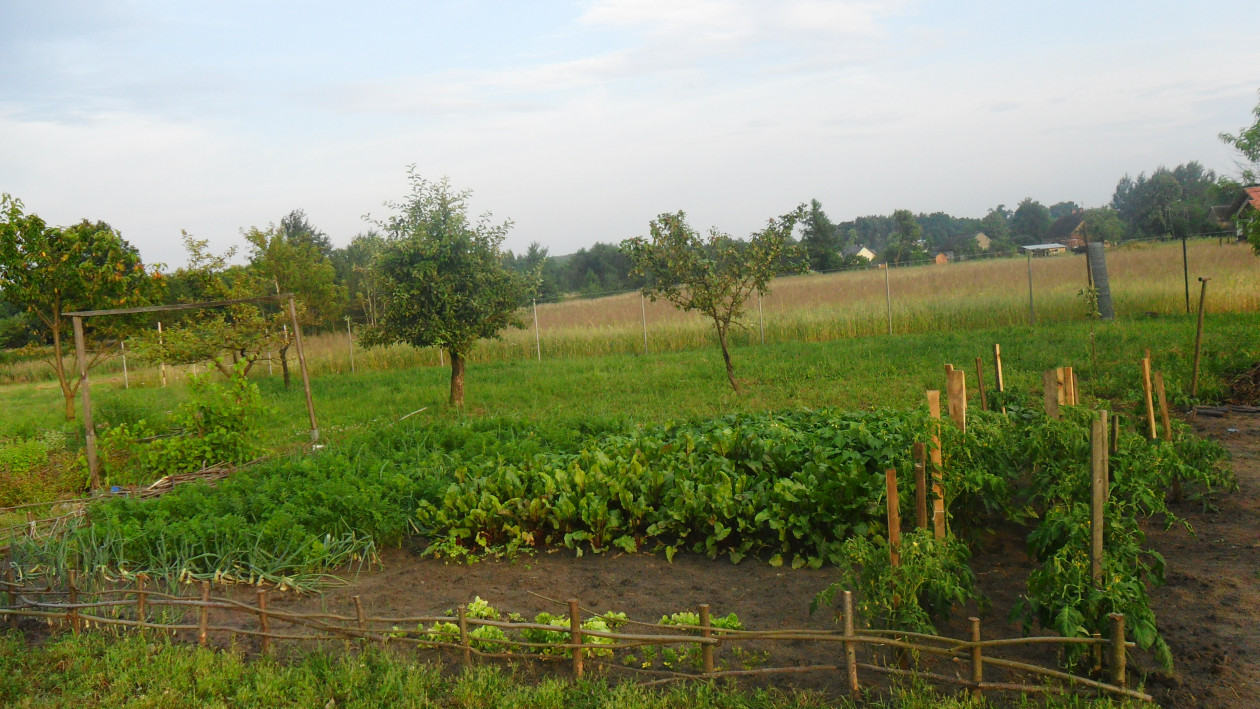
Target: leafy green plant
(221,422)
(931,579)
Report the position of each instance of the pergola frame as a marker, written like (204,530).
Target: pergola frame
(94,465)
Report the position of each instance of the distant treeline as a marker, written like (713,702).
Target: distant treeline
(1166,202)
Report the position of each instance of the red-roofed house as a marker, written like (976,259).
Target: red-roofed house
(1244,209)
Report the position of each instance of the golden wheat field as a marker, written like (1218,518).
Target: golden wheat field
(1145,278)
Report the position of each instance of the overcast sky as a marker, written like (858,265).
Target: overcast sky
(580,121)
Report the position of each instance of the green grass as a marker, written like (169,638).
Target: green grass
(96,670)
(850,373)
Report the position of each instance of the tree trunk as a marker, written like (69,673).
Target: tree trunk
(457,379)
(59,366)
(726,355)
(284,364)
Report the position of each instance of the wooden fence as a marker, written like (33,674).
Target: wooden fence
(139,609)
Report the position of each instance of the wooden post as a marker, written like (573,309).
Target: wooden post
(1069,386)
(894,518)
(142,604)
(1104,419)
(264,623)
(162,363)
(643,309)
(1117,659)
(537,332)
(850,647)
(1060,393)
(203,613)
(1198,341)
(956,388)
(306,378)
(575,632)
(984,403)
(706,650)
(1050,392)
(977,658)
(938,501)
(1150,401)
(919,453)
(89,431)
(1098,497)
(350,341)
(122,346)
(73,612)
(1163,405)
(997,366)
(1114,438)
(462,612)
(359,618)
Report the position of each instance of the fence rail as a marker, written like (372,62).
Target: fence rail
(135,608)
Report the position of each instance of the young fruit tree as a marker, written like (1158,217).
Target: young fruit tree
(50,271)
(445,280)
(714,275)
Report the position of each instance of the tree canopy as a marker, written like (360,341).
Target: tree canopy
(714,275)
(446,283)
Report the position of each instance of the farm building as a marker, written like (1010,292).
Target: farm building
(1052,249)
(1243,209)
(983,242)
(858,250)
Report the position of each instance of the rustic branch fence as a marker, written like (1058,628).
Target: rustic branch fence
(139,609)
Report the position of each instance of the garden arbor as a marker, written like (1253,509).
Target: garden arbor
(94,466)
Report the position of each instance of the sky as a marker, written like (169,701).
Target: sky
(581,121)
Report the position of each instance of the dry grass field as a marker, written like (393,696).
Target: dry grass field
(1145,278)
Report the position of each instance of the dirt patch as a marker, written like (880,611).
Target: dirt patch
(1245,388)
(1209,609)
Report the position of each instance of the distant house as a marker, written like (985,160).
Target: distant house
(858,250)
(1244,209)
(1051,249)
(1068,230)
(983,242)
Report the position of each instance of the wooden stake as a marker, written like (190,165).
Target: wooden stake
(462,612)
(1150,401)
(1163,405)
(1060,394)
(894,518)
(142,604)
(1198,341)
(359,619)
(1115,433)
(575,632)
(1069,386)
(1098,497)
(997,366)
(706,649)
(264,622)
(850,647)
(1050,392)
(203,613)
(918,452)
(306,378)
(938,493)
(977,658)
(956,388)
(1117,659)
(984,403)
(73,611)
(89,431)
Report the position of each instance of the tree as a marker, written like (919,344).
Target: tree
(296,229)
(447,285)
(714,275)
(905,245)
(1030,221)
(50,271)
(1247,142)
(1102,224)
(997,223)
(299,267)
(244,332)
(1058,210)
(821,240)
(353,265)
